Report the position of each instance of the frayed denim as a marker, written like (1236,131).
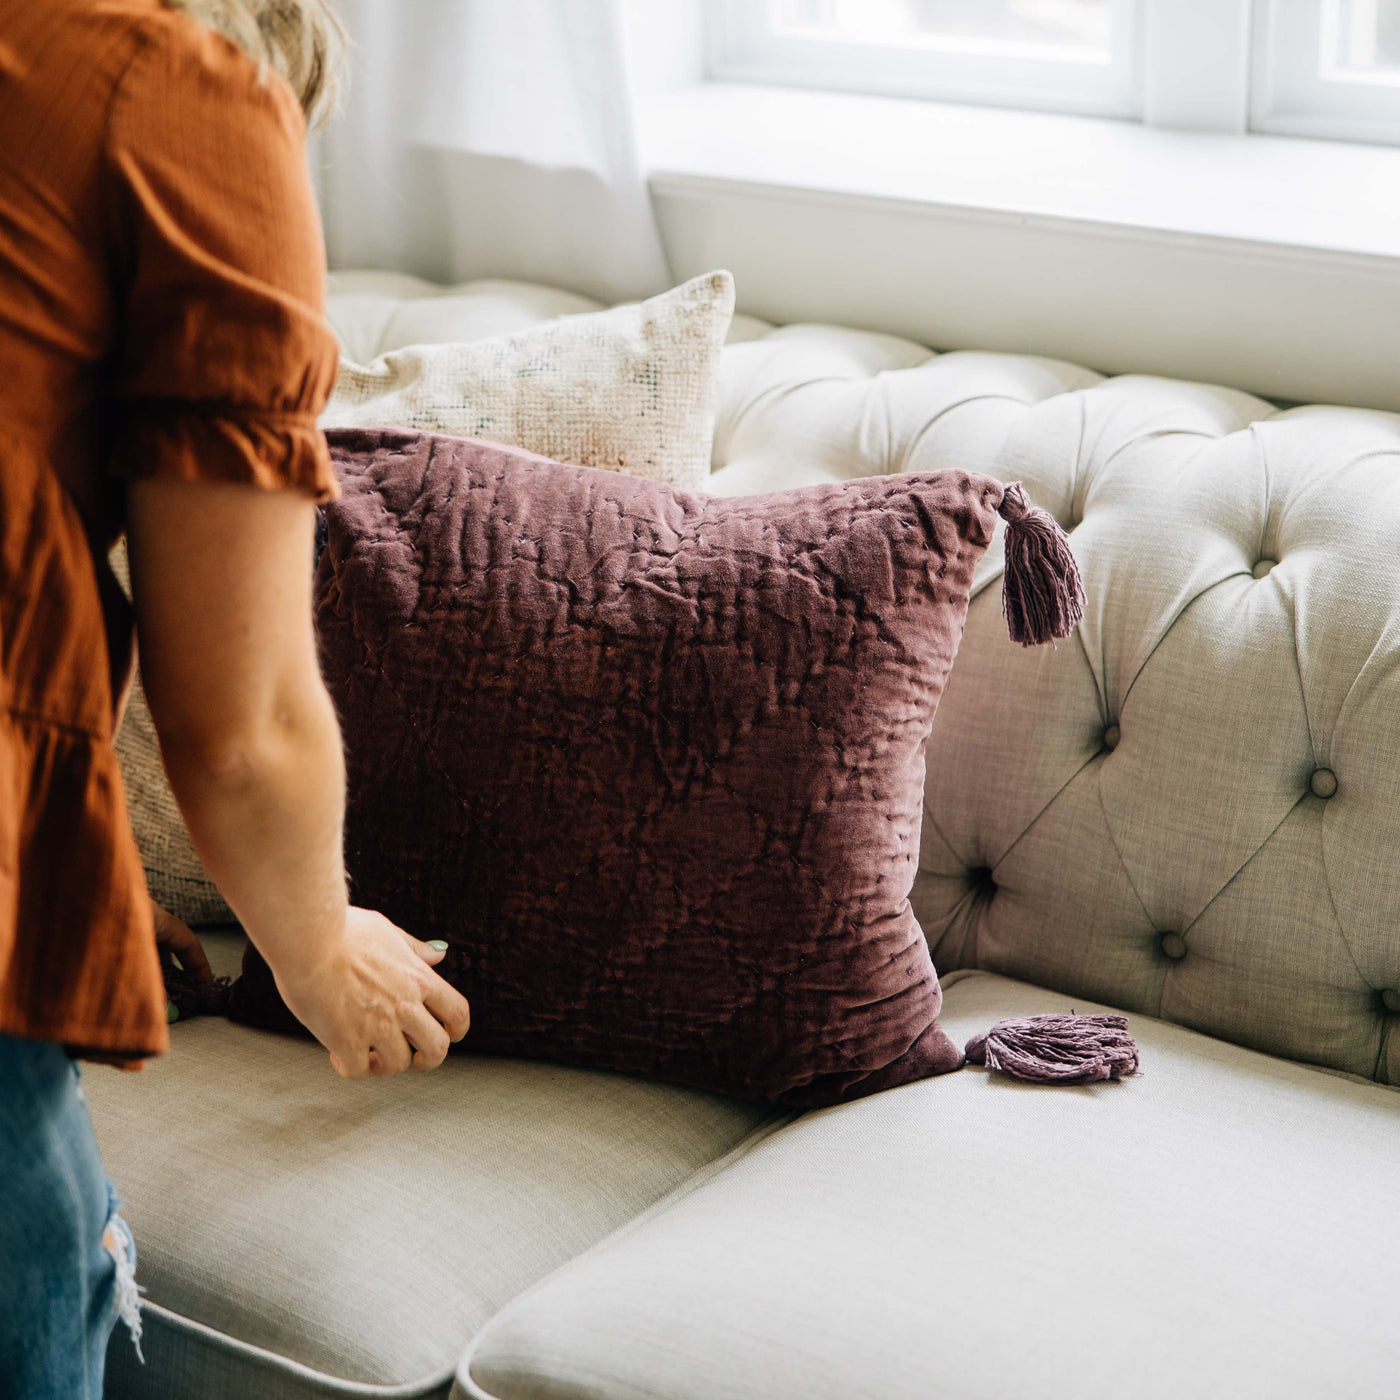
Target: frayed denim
(67,1260)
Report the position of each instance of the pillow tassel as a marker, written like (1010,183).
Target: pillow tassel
(1042,593)
(1057,1049)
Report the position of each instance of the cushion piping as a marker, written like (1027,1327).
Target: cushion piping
(698,1178)
(162,1317)
(158,1316)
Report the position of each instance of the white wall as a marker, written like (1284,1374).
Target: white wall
(667,45)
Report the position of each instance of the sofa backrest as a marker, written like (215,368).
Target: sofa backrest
(1192,808)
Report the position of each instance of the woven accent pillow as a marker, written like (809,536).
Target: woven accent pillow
(650,762)
(632,389)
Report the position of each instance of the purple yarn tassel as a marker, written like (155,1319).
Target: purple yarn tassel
(1041,593)
(1057,1049)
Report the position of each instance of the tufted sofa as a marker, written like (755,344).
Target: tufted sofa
(1190,811)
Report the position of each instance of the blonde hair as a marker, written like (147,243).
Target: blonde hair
(303,40)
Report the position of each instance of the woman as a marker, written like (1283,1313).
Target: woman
(163,358)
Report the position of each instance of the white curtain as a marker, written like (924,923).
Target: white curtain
(490,138)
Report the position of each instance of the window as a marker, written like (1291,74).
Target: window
(1064,55)
(1326,68)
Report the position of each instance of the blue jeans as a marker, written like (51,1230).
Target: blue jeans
(67,1261)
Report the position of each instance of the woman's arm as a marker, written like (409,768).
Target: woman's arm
(221,577)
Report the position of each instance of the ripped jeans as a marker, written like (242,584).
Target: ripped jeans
(67,1261)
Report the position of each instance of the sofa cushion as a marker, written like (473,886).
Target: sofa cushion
(301,1235)
(1219,1226)
(374,312)
(649,762)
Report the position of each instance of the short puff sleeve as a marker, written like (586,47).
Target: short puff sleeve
(225,357)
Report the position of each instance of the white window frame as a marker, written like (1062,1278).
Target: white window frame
(743,48)
(1208,65)
(1196,64)
(1292,97)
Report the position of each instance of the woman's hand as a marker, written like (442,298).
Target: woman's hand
(372,999)
(177,937)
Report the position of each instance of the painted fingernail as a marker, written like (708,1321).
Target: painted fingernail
(172,1012)
(438,943)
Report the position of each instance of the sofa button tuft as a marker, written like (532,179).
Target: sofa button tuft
(1390,998)
(1174,946)
(1263,568)
(1323,782)
(1111,736)
(980,878)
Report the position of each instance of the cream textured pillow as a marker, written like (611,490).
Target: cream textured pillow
(632,389)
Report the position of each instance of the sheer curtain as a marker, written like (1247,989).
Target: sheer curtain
(490,138)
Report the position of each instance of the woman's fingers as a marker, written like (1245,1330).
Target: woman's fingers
(391,1058)
(432,953)
(181,939)
(375,1002)
(442,999)
(449,1006)
(350,1066)
(190,953)
(426,1034)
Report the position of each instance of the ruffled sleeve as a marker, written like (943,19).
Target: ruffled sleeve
(225,357)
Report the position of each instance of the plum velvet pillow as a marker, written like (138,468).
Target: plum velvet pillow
(651,762)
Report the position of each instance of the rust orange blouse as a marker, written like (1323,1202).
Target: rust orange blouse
(161,300)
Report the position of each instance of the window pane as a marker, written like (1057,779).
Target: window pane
(1328,68)
(1361,40)
(1083,28)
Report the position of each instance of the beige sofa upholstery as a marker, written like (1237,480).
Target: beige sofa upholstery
(298,1235)
(1188,1235)
(1191,810)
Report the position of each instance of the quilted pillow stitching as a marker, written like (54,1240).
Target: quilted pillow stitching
(651,762)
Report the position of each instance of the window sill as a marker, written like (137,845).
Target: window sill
(1270,263)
